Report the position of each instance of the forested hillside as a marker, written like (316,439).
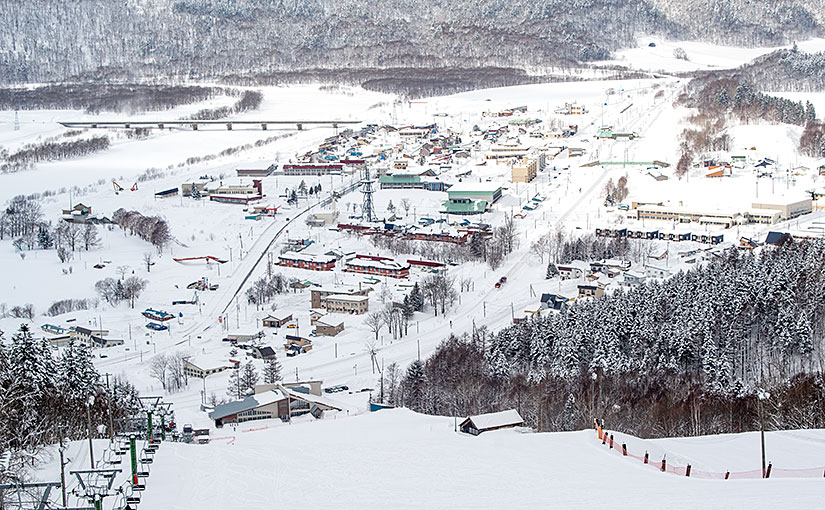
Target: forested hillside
(684,356)
(41,40)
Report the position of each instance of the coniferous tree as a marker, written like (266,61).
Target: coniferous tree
(233,387)
(248,379)
(414,386)
(272,371)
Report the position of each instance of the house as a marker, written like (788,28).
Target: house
(570,272)
(302,260)
(262,352)
(594,290)
(203,366)
(328,327)
(656,272)
(553,301)
(634,278)
(280,402)
(475,425)
(315,316)
(658,253)
(777,238)
(277,320)
(78,210)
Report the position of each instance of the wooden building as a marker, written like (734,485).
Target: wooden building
(276,320)
(475,425)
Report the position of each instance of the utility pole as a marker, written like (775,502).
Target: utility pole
(760,396)
(90,402)
(109,407)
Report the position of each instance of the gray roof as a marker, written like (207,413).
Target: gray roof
(250,402)
(266,351)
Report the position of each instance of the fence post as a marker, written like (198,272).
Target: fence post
(611,441)
(768,473)
(645,457)
(687,471)
(664,465)
(727,475)
(624,449)
(604,437)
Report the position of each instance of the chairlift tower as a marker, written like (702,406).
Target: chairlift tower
(16,121)
(367,209)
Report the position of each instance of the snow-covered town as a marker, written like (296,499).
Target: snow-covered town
(487,295)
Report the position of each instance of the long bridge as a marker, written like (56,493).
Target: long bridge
(194,124)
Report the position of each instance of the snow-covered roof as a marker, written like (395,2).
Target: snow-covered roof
(250,402)
(347,297)
(307,257)
(380,264)
(466,186)
(499,419)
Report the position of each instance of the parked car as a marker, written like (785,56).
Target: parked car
(157,327)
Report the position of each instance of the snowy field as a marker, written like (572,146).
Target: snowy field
(405,460)
(700,56)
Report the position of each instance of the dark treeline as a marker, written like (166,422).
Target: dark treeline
(680,357)
(410,82)
(98,97)
(52,151)
(734,95)
(250,100)
(787,70)
(152,229)
(45,397)
(812,141)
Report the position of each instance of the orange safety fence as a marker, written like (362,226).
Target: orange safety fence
(229,439)
(662,465)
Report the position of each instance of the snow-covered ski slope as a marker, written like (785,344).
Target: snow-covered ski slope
(399,459)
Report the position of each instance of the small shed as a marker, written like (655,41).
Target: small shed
(475,425)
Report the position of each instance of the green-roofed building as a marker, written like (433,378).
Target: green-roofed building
(464,206)
(400,181)
(486,191)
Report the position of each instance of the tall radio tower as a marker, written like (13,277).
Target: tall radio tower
(367,209)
